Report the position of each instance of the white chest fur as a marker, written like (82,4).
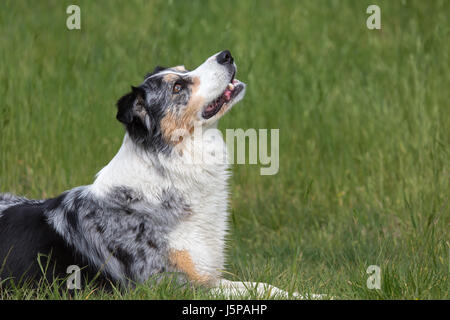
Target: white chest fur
(204,183)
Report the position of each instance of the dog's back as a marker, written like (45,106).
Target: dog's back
(8,200)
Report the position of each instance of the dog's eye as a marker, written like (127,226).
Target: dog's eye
(177,88)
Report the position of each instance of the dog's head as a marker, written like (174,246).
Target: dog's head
(174,100)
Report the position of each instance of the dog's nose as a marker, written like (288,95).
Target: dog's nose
(225,57)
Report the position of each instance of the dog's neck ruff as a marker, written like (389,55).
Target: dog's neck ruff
(194,166)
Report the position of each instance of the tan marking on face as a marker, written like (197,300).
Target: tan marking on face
(175,124)
(170,77)
(182,260)
(195,85)
(179,68)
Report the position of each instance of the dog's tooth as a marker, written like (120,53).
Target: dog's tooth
(230,87)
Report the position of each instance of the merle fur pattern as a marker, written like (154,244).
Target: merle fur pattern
(119,238)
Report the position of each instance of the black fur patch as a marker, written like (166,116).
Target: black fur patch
(54,203)
(25,235)
(141,231)
(126,258)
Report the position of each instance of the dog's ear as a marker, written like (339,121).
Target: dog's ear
(130,105)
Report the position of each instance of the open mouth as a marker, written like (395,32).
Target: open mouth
(231,91)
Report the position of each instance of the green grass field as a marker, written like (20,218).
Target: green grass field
(364,118)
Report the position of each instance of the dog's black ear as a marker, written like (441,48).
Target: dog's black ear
(129,104)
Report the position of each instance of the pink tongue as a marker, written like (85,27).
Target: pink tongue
(227,94)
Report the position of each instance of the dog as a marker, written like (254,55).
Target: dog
(152,210)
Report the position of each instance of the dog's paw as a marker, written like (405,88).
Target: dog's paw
(309,296)
(236,289)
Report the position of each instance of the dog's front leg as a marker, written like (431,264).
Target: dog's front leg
(237,289)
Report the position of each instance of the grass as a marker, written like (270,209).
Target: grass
(363,116)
